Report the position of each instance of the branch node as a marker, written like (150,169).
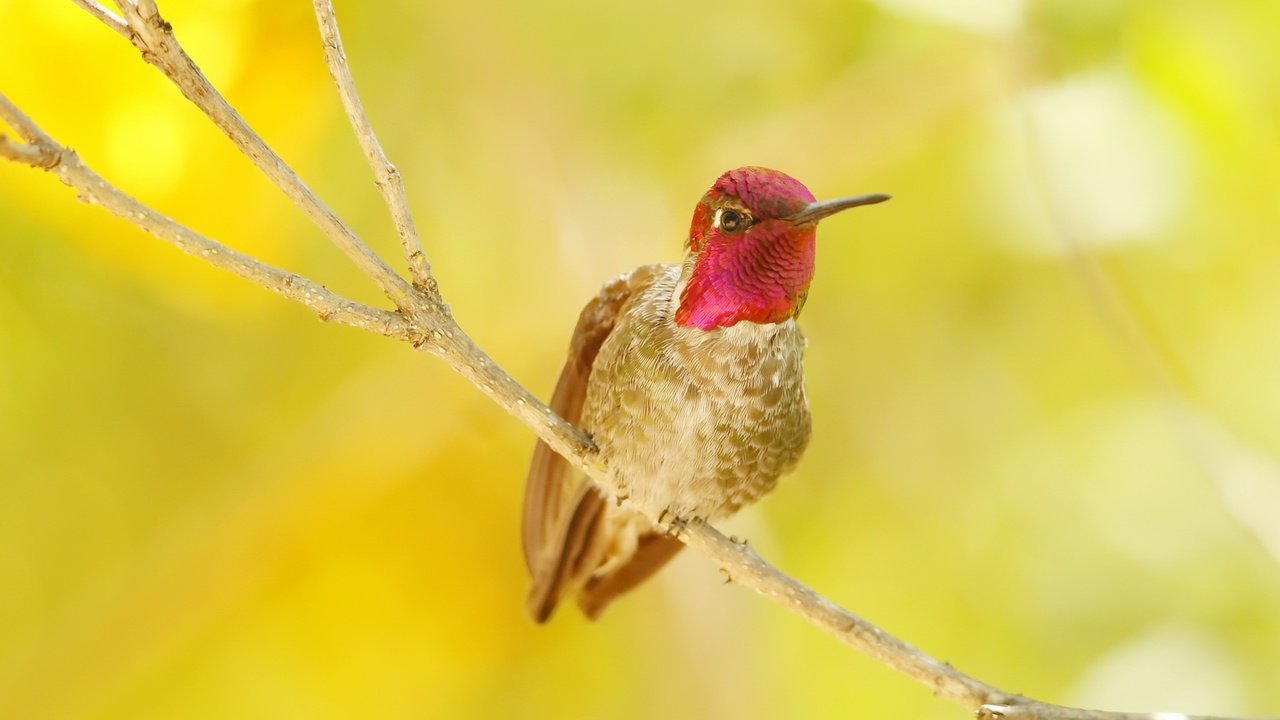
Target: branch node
(33,154)
(419,340)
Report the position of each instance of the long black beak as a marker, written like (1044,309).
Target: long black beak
(814,212)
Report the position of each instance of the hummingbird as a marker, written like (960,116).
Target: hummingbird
(689,380)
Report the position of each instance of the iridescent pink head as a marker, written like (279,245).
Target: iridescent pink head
(752,247)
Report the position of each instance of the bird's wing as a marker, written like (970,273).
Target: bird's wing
(550,475)
(562,513)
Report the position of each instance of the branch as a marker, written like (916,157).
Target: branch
(746,568)
(44,152)
(1232,467)
(35,156)
(108,18)
(386,177)
(423,320)
(153,36)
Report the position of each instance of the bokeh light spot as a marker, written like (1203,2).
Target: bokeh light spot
(146,146)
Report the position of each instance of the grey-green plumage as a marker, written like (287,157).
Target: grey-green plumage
(694,423)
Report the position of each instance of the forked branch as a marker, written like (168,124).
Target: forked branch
(421,318)
(386,176)
(44,152)
(153,37)
(108,18)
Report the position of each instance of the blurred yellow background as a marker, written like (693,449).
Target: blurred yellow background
(1045,378)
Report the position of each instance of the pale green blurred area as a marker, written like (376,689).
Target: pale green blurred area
(213,506)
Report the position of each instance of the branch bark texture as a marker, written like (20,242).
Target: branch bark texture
(421,318)
(385,174)
(153,36)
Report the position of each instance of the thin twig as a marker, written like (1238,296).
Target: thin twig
(386,176)
(27,154)
(108,18)
(1157,363)
(153,36)
(94,190)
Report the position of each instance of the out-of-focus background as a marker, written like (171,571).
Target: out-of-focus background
(1045,378)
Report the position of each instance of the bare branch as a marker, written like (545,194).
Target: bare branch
(27,154)
(153,36)
(108,18)
(1035,710)
(16,119)
(1246,480)
(94,190)
(745,567)
(386,177)
(457,349)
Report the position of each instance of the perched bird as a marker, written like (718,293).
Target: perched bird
(688,378)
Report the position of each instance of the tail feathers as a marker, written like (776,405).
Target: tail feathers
(582,548)
(575,552)
(653,550)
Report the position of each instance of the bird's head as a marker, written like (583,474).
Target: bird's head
(751,249)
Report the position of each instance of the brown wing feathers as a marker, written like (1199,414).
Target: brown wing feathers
(564,534)
(556,528)
(653,550)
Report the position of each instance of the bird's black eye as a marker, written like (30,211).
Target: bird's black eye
(731,220)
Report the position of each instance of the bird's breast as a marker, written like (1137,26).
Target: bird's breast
(694,422)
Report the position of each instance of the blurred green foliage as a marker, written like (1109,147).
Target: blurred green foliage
(213,506)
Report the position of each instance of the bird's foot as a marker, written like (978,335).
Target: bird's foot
(675,525)
(665,523)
